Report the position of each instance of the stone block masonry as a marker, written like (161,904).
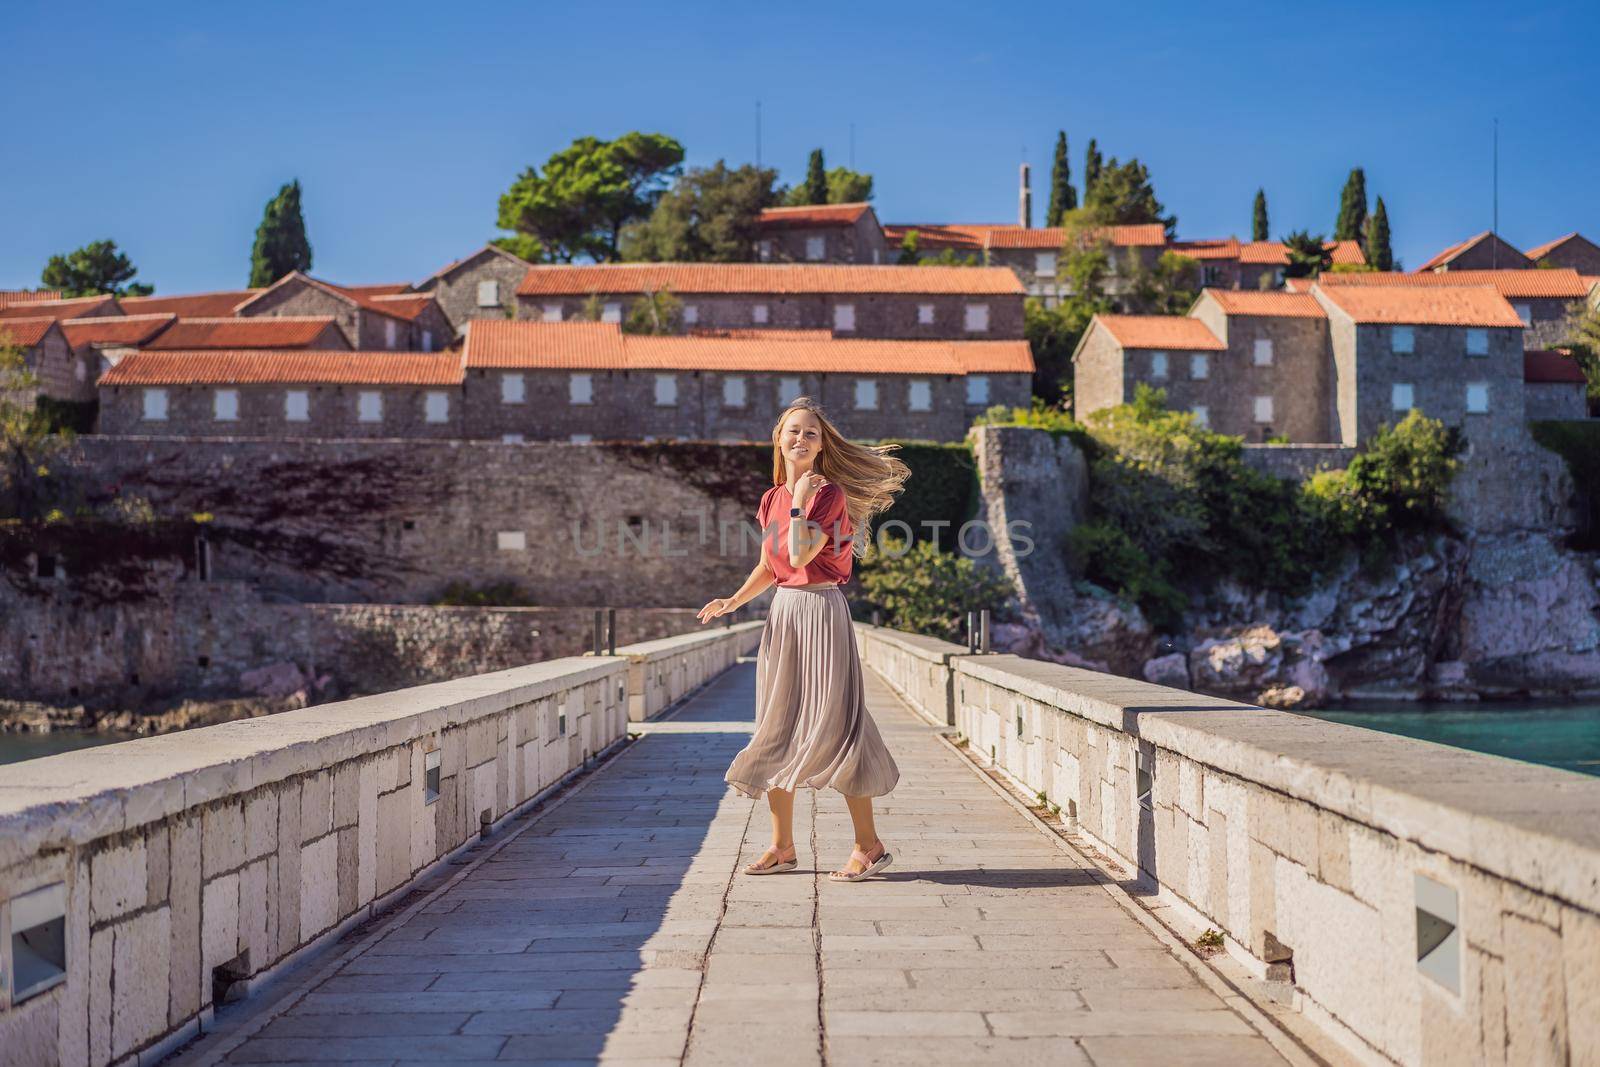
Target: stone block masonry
(194,862)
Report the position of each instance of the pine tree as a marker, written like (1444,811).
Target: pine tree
(281,245)
(1352,208)
(1063,197)
(1091,170)
(1379,255)
(1258,222)
(816,184)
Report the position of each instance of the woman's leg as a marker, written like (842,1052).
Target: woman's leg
(781,801)
(866,832)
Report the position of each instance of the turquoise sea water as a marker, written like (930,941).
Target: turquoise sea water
(1557,735)
(17,747)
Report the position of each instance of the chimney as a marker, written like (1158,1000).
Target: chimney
(1025,202)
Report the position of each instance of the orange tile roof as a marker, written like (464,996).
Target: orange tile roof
(386,289)
(1346,253)
(777,279)
(115,329)
(504,343)
(281,367)
(190,305)
(406,305)
(77,307)
(262,332)
(1160,331)
(784,218)
(1551,282)
(1537,252)
(1422,305)
(936,236)
(758,334)
(363,298)
(1143,235)
(1454,250)
(1274,254)
(1551,365)
(24,333)
(1228,248)
(1269,304)
(9,297)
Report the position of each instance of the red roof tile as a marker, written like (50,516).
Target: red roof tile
(1446,255)
(190,305)
(8,297)
(1269,304)
(1551,365)
(1346,253)
(1144,235)
(777,279)
(24,333)
(279,367)
(503,343)
(935,237)
(263,332)
(1160,332)
(364,297)
(1551,282)
(77,307)
(1422,305)
(406,305)
(115,329)
(1274,254)
(386,289)
(809,215)
(1228,248)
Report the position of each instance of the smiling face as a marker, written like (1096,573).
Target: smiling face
(800,439)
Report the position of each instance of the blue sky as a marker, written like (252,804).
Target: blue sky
(167,126)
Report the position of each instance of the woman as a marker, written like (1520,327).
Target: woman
(812,727)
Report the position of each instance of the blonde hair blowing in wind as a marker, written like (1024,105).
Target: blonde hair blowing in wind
(868,474)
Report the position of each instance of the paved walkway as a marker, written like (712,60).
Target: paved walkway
(617,929)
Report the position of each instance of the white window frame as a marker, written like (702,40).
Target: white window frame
(924,314)
(734,391)
(391,333)
(511,439)
(866,394)
(511,540)
(550,313)
(583,438)
(764,251)
(1262,409)
(816,249)
(225,405)
(1202,415)
(1402,340)
(919,395)
(155,405)
(427,340)
(1158,365)
(978,389)
(513,388)
(788,389)
(1044,264)
(1199,367)
(1474,390)
(1477,341)
(369,406)
(297,405)
(666,390)
(1261,352)
(580,388)
(976,319)
(844,318)
(611,312)
(691,314)
(436,406)
(758,314)
(1402,396)
(489,293)
(1524,312)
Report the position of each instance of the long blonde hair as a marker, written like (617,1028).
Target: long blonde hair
(869,475)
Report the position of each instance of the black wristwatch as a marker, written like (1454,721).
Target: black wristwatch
(793,512)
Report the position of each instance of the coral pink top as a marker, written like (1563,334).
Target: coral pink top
(826,508)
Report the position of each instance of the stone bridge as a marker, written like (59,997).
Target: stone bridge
(540,865)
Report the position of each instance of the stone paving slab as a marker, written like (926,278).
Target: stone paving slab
(616,929)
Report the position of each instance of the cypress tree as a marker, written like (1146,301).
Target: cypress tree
(1352,222)
(281,244)
(1063,197)
(1258,221)
(1379,255)
(816,183)
(1091,170)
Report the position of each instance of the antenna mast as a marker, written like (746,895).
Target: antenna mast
(1495,224)
(758,135)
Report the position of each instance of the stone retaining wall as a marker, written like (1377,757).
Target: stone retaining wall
(1312,846)
(188,864)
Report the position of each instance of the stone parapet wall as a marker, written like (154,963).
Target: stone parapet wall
(1298,462)
(190,864)
(1311,846)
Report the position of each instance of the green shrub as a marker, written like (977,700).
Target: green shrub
(1110,557)
(1039,416)
(927,591)
(493,595)
(943,487)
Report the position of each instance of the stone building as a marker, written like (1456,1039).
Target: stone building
(1574,250)
(99,342)
(373,317)
(821,233)
(590,381)
(480,286)
(1481,251)
(1554,386)
(922,303)
(1542,299)
(46,353)
(1117,353)
(255,393)
(1273,378)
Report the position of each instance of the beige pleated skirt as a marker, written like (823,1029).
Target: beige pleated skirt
(812,727)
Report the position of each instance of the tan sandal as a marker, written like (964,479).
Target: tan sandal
(779,866)
(869,866)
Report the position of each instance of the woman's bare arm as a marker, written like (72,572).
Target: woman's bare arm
(759,579)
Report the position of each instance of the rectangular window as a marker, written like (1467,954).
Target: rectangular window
(488,294)
(977,320)
(666,390)
(390,333)
(977,389)
(1202,415)
(225,405)
(1263,410)
(920,396)
(427,340)
(369,406)
(1402,340)
(1044,264)
(512,389)
(1477,398)
(436,406)
(155,405)
(612,312)
(297,406)
(580,388)
(764,250)
(788,389)
(844,317)
(551,313)
(1263,352)
(584,438)
(1524,312)
(816,248)
(1477,342)
(733,392)
(511,541)
(1400,397)
(1158,365)
(511,438)
(758,314)
(691,314)
(866,394)
(924,314)
(1199,367)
